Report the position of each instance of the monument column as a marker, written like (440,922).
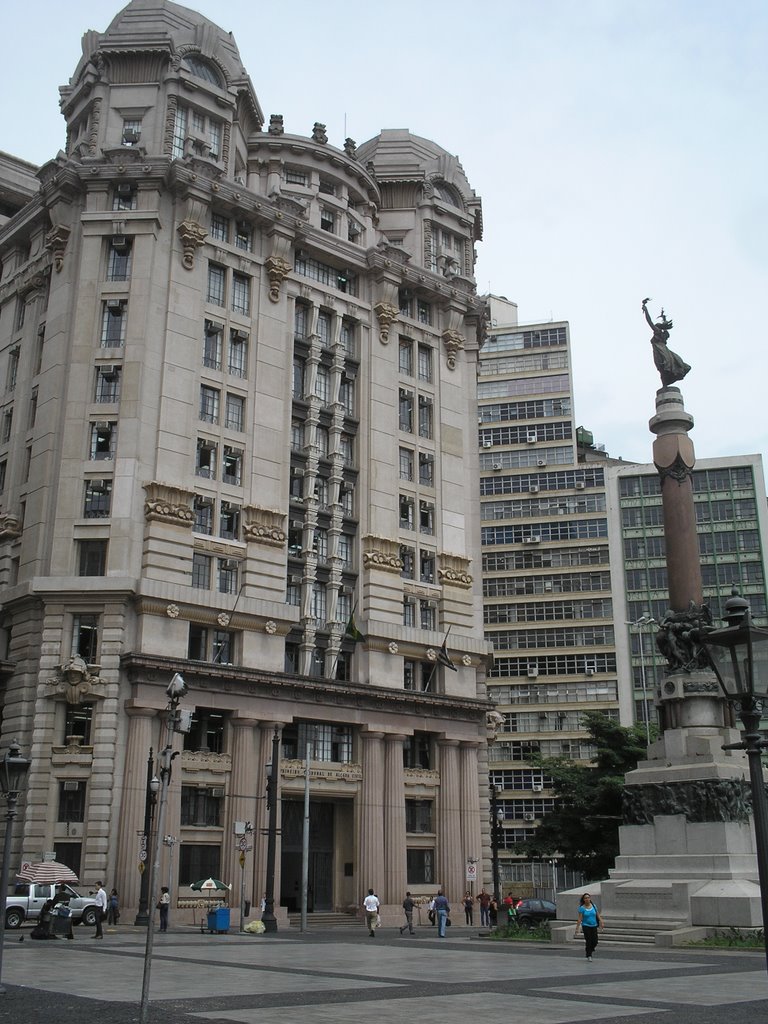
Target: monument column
(370,816)
(395,872)
(450,855)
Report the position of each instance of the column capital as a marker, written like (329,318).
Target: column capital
(134,710)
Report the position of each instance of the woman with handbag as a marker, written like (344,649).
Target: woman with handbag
(589,921)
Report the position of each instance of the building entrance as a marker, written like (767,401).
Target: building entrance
(321,855)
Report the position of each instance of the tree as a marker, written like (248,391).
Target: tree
(584,826)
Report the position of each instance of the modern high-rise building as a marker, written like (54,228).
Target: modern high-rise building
(237,442)
(548,604)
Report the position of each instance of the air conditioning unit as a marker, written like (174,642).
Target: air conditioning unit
(295,578)
(108,370)
(548,585)
(119,242)
(532,439)
(125,188)
(487,444)
(115,305)
(532,671)
(217,791)
(529,817)
(497,466)
(535,539)
(541,462)
(537,787)
(239,335)
(130,138)
(589,671)
(534,489)
(71,786)
(579,485)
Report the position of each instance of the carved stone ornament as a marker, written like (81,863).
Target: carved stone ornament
(494,721)
(278,268)
(392,647)
(466,661)
(431,654)
(319,133)
(168,504)
(56,240)
(264,526)
(350,148)
(454,342)
(678,471)
(679,638)
(699,801)
(223,619)
(270,627)
(10,526)
(172,611)
(382,553)
(76,681)
(276,124)
(386,314)
(453,571)
(192,236)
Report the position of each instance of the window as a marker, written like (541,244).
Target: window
(297,443)
(215,645)
(406,512)
(347,497)
(197,860)
(205,458)
(203,133)
(409,612)
(71,801)
(418,816)
(319,600)
(293,594)
(202,508)
(425,363)
(408,558)
(346,450)
(406,464)
(124,197)
(347,337)
(243,236)
(345,550)
(201,571)
(417,751)
(425,416)
(98,499)
(324,329)
(405,357)
(323,441)
(228,571)
(235,413)
(131,131)
(216,285)
(113,322)
(426,567)
(237,364)
(92,557)
(212,345)
(295,178)
(77,723)
(320,545)
(103,440)
(13,369)
(5,437)
(427,615)
(322,384)
(327,220)
(229,521)
(233,465)
(426,517)
(423,312)
(85,637)
(119,259)
(201,807)
(347,396)
(3,472)
(32,410)
(108,384)
(241,294)
(426,469)
(417,675)
(406,411)
(209,404)
(300,320)
(327,187)
(299,367)
(219,228)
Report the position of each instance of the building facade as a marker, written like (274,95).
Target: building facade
(237,442)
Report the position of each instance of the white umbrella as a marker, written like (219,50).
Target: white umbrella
(46,872)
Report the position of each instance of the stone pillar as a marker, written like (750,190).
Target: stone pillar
(395,873)
(471,842)
(241,806)
(261,823)
(370,816)
(140,739)
(674,458)
(450,855)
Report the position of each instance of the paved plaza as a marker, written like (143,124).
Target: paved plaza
(342,977)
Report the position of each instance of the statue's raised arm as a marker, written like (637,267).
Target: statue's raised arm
(670,366)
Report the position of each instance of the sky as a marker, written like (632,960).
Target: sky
(619,148)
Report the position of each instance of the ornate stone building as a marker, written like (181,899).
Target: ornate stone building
(237,441)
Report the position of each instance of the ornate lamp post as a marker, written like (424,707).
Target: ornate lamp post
(13,772)
(273,770)
(739,656)
(497,816)
(150,799)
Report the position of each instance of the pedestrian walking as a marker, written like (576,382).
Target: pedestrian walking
(113,908)
(431,912)
(371,908)
(469,906)
(101,910)
(408,905)
(589,920)
(442,910)
(484,900)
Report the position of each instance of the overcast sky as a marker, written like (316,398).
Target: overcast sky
(619,147)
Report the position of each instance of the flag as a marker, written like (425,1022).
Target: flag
(352,632)
(444,658)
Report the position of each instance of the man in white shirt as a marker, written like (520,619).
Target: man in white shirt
(101,909)
(371,907)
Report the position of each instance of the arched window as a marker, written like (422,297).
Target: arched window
(448,194)
(202,69)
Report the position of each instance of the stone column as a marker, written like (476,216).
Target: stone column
(140,739)
(470,806)
(450,856)
(240,806)
(263,756)
(370,816)
(395,873)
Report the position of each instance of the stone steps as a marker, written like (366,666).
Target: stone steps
(637,932)
(325,919)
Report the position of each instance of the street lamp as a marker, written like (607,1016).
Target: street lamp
(738,654)
(150,799)
(644,621)
(497,816)
(13,772)
(273,770)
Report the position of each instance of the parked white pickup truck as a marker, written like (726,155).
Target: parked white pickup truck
(28,899)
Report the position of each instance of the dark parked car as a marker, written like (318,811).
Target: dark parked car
(534,912)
